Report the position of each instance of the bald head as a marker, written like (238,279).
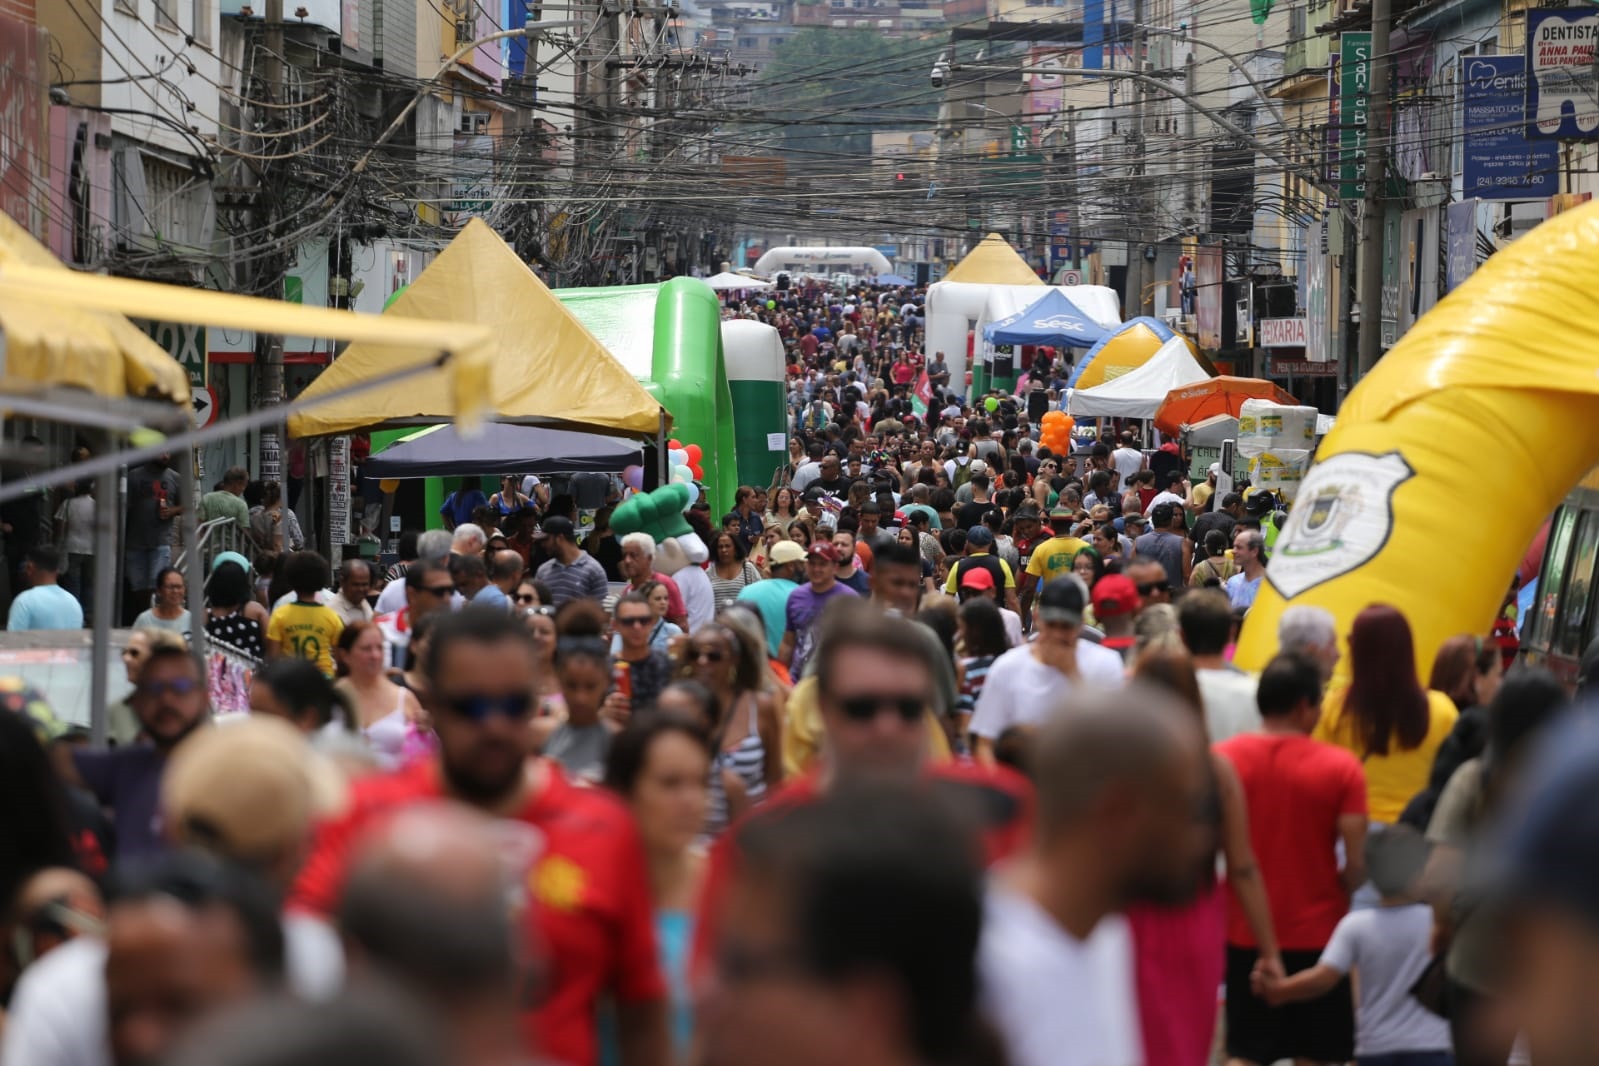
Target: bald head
(506,570)
(1096,748)
(426,903)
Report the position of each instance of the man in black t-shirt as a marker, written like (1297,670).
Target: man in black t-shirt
(970,514)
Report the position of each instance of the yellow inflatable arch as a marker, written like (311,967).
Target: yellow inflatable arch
(1447,457)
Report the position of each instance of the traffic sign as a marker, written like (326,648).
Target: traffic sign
(205,405)
(1069,276)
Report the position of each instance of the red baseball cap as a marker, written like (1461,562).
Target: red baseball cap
(1115,594)
(976,577)
(823,550)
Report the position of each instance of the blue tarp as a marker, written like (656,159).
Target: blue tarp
(1160,330)
(1052,320)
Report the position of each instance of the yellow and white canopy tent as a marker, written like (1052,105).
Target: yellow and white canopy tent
(546,369)
(959,300)
(51,342)
(64,340)
(993,262)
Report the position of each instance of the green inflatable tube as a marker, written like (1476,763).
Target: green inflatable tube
(690,379)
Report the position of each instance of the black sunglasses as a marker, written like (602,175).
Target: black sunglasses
(479,708)
(527,597)
(866,708)
(1145,590)
(707,655)
(177,686)
(636,620)
(439,590)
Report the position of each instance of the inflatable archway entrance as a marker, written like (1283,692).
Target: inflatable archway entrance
(1497,386)
(826,260)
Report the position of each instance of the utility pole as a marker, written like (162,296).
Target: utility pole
(269,348)
(1191,152)
(1371,217)
(1145,269)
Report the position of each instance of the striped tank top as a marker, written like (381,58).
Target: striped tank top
(748,761)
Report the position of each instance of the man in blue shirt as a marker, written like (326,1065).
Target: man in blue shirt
(46,605)
(1249,552)
(770,597)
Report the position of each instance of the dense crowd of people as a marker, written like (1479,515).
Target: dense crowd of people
(938,757)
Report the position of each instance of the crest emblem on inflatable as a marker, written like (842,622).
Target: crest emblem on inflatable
(1341,519)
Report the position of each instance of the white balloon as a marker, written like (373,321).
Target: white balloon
(693,493)
(678,457)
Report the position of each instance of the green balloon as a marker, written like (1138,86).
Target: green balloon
(771,305)
(991,405)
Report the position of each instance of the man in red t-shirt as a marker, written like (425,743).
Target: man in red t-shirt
(1304,799)
(876,682)
(589,916)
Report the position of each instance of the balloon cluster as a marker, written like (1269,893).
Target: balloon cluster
(686,469)
(684,460)
(1055,432)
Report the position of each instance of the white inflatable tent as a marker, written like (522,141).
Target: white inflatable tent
(823,260)
(956,307)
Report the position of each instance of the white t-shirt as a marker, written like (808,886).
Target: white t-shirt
(58,1010)
(1013,627)
(77,515)
(1390,946)
(1020,690)
(1127,461)
(1230,707)
(1057,1000)
(1164,497)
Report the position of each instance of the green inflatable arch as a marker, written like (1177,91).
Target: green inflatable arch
(669,337)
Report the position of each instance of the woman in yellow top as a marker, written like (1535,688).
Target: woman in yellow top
(1385,717)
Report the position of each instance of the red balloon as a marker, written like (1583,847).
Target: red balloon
(674,445)
(694,453)
(697,470)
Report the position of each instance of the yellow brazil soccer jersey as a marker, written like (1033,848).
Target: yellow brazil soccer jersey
(1053,557)
(306,631)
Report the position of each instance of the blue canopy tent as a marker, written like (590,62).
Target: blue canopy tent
(501,448)
(1052,320)
(893,279)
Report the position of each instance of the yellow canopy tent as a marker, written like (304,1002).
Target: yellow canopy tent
(88,328)
(547,369)
(993,262)
(51,342)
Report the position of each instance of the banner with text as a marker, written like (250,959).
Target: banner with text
(1500,163)
(1354,98)
(1562,96)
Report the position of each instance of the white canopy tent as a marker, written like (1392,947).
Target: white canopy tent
(824,260)
(1139,393)
(727,282)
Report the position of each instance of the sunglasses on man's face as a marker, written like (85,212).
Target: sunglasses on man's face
(439,590)
(866,708)
(635,620)
(481,708)
(176,686)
